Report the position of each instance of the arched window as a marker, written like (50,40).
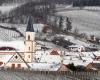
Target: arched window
(28,56)
(28,37)
(29,48)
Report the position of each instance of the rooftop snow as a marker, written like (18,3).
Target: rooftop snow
(44,66)
(19,45)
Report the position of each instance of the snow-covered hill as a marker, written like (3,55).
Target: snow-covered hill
(86,20)
(8,34)
(8,8)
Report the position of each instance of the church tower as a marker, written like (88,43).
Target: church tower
(30,43)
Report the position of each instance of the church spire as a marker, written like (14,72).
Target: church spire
(30,25)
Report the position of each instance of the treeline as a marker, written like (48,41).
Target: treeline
(81,3)
(39,10)
(2,1)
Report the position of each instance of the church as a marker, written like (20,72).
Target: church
(27,59)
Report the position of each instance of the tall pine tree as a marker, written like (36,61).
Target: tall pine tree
(68,24)
(61,22)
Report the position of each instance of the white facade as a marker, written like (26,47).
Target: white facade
(30,46)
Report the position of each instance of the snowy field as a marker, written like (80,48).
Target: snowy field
(7,8)
(10,35)
(86,20)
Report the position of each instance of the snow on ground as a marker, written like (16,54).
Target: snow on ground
(44,56)
(9,35)
(92,8)
(86,21)
(8,8)
(83,58)
(76,62)
(44,66)
(5,58)
(51,45)
(77,42)
(19,45)
(37,27)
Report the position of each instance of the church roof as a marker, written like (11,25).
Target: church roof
(17,58)
(30,25)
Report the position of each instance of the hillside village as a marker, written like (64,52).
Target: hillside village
(40,55)
(46,44)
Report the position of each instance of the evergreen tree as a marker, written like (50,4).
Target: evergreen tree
(72,67)
(68,24)
(2,1)
(55,21)
(60,22)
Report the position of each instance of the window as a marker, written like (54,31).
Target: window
(28,56)
(28,37)
(29,48)
(16,57)
(1,63)
(19,65)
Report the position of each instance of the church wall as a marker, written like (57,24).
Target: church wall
(22,66)
(31,34)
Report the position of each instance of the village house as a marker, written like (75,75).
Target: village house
(93,66)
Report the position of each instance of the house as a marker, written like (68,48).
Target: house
(47,29)
(64,68)
(77,48)
(93,66)
(16,62)
(53,57)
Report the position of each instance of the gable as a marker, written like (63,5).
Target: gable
(54,52)
(16,59)
(63,68)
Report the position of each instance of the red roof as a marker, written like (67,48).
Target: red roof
(54,52)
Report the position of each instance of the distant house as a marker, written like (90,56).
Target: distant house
(77,48)
(93,66)
(16,62)
(63,68)
(5,56)
(54,52)
(47,29)
(53,57)
(94,39)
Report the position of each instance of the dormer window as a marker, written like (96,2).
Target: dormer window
(28,37)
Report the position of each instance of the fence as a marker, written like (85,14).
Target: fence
(47,75)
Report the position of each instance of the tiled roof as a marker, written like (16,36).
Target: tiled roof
(54,52)
(96,65)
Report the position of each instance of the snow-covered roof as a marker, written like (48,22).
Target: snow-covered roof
(88,59)
(97,53)
(19,45)
(5,58)
(44,66)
